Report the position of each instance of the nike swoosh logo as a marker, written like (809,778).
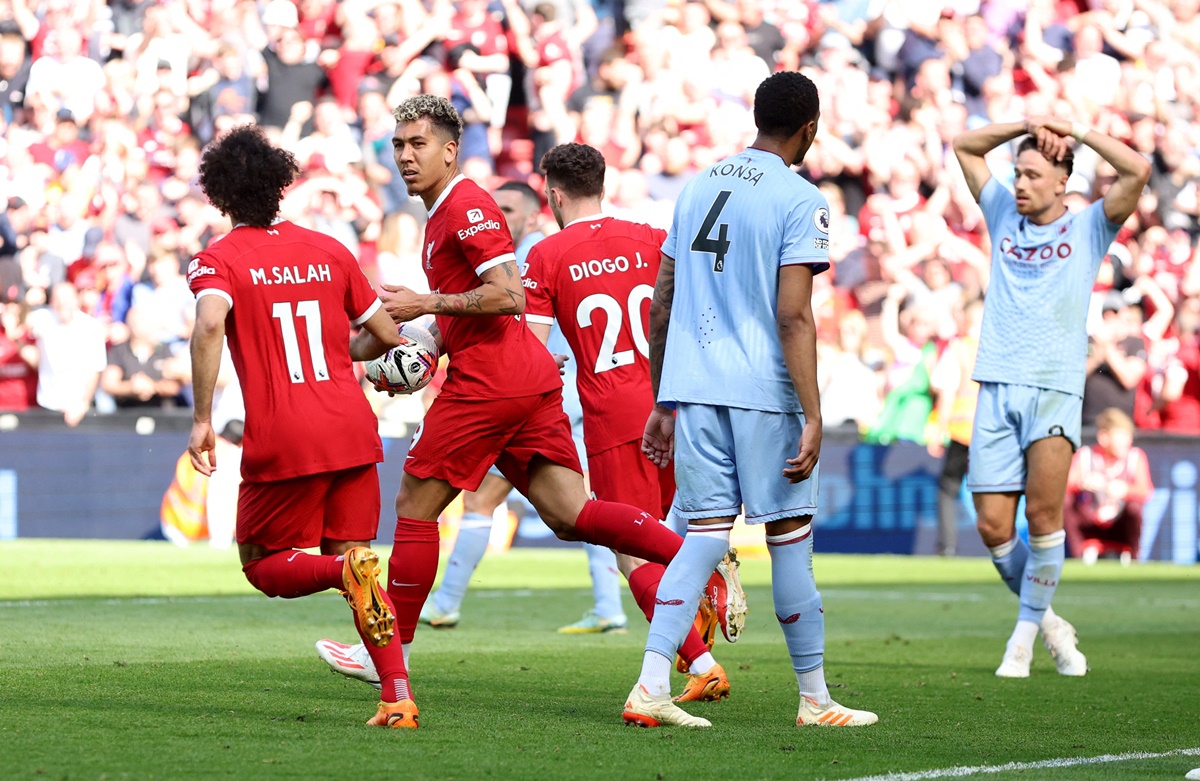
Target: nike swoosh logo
(293,556)
(397,583)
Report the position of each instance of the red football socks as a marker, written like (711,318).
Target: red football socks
(292,573)
(643,582)
(627,530)
(389,663)
(411,571)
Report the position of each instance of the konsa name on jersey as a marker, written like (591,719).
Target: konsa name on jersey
(290,275)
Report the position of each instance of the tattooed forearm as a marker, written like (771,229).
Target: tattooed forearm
(470,302)
(517,302)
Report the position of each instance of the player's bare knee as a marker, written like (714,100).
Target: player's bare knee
(993,530)
(1044,518)
(338,547)
(563,529)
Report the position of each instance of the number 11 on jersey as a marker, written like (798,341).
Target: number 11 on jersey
(311,312)
(720,245)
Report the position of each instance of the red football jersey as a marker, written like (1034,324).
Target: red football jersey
(294,294)
(491,357)
(596,278)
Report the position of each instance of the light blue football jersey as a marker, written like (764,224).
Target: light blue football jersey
(1034,317)
(736,223)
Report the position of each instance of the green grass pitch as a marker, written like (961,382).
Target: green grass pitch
(140,660)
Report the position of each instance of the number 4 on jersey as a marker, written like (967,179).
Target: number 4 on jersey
(720,245)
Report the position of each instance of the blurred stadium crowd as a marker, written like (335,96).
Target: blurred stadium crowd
(105,108)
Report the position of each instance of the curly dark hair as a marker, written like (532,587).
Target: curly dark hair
(1067,163)
(440,112)
(244,175)
(577,169)
(785,102)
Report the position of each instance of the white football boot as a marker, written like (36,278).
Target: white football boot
(832,715)
(352,661)
(1058,635)
(644,710)
(1015,664)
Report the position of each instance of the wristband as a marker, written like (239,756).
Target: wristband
(1079,130)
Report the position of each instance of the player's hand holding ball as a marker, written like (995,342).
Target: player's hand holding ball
(409,366)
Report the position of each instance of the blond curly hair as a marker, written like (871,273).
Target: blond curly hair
(440,112)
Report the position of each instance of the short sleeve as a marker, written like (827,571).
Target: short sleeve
(806,235)
(539,298)
(361,299)
(206,275)
(482,234)
(996,201)
(1101,231)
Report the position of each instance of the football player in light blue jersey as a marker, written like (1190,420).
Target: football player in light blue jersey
(733,351)
(1032,353)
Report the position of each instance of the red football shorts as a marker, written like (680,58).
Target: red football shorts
(623,474)
(460,439)
(300,512)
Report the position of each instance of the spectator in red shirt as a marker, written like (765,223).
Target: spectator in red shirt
(18,372)
(63,148)
(1106,488)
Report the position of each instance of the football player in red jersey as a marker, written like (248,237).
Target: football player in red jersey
(286,298)
(596,277)
(502,399)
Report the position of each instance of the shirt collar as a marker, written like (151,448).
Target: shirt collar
(445,193)
(592,218)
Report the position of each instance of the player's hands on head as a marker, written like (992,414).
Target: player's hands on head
(202,447)
(1051,134)
(658,441)
(801,467)
(1056,125)
(401,303)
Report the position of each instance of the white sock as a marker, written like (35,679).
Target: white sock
(656,674)
(407,649)
(1049,617)
(1024,634)
(704,662)
(812,685)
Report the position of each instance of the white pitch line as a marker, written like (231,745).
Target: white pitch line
(964,771)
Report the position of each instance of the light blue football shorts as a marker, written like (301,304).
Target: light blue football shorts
(1010,418)
(727,457)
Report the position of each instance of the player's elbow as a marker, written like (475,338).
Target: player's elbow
(1142,171)
(791,324)
(208,326)
(516,306)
